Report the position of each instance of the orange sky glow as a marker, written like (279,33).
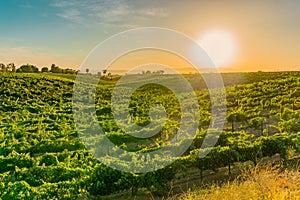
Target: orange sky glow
(239,36)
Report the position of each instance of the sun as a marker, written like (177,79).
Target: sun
(220,45)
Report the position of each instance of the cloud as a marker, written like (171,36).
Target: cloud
(26,4)
(72,15)
(158,12)
(117,13)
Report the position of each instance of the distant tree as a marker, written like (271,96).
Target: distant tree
(99,73)
(69,71)
(45,69)
(104,71)
(2,67)
(7,68)
(87,70)
(10,67)
(28,68)
(55,69)
(13,67)
(158,72)
(108,76)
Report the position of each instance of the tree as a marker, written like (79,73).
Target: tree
(69,71)
(45,69)
(55,69)
(28,68)
(11,67)
(2,67)
(87,70)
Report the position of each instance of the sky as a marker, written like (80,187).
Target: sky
(248,35)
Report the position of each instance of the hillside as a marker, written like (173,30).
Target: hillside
(42,155)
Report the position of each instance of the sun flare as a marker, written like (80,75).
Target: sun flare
(220,45)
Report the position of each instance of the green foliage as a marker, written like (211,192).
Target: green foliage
(49,159)
(42,157)
(28,69)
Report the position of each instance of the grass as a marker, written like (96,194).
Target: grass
(254,183)
(258,183)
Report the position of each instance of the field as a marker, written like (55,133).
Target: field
(43,156)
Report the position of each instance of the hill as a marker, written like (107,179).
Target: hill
(42,155)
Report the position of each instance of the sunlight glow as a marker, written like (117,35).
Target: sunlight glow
(220,45)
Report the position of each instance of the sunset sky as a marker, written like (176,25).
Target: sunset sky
(254,35)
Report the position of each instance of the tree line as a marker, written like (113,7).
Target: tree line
(28,68)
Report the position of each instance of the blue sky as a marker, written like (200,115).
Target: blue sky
(67,30)
(42,32)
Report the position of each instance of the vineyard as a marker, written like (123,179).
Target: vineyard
(42,155)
